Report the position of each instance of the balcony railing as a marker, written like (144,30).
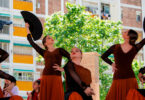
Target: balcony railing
(5,3)
(26,0)
(5,30)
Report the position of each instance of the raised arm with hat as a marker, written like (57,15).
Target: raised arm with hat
(35,28)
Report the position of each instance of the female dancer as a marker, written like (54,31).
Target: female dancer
(51,87)
(78,78)
(124,78)
(34,95)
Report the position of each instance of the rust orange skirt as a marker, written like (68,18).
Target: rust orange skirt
(51,88)
(120,88)
(75,96)
(16,98)
(133,94)
(1,93)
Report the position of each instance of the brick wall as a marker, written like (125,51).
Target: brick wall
(129,17)
(54,6)
(40,10)
(65,10)
(132,2)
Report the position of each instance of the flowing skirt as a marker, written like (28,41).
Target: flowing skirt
(51,88)
(133,94)
(1,93)
(75,96)
(120,88)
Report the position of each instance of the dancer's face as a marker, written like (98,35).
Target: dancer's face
(35,85)
(76,53)
(125,35)
(49,40)
(7,81)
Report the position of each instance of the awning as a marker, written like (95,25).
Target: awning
(23,70)
(15,16)
(24,45)
(6,41)
(5,66)
(2,14)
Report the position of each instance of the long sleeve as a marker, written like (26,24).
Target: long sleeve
(140,44)
(70,68)
(3,54)
(6,76)
(64,53)
(107,53)
(35,46)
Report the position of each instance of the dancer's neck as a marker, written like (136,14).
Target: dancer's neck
(76,61)
(51,47)
(126,42)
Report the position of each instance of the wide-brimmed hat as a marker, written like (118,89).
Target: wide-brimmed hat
(35,28)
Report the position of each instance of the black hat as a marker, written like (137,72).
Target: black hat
(144,24)
(35,24)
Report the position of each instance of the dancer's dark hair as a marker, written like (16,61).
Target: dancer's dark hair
(44,41)
(38,82)
(133,36)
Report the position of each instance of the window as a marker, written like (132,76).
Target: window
(19,22)
(138,16)
(5,46)
(4,3)
(23,76)
(22,50)
(6,28)
(26,0)
(105,11)
(121,13)
(38,4)
(93,10)
(72,1)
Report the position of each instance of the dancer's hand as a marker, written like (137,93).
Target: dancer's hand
(29,95)
(27,28)
(58,68)
(89,91)
(114,67)
(141,78)
(9,87)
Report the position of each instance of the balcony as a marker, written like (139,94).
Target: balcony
(23,84)
(19,31)
(26,59)
(23,5)
(5,3)
(6,28)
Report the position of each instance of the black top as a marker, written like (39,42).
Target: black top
(73,80)
(4,75)
(51,58)
(123,60)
